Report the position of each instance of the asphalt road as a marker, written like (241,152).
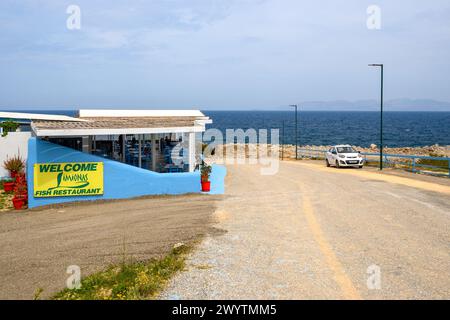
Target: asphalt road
(311,232)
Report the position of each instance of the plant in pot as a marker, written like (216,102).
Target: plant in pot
(205,173)
(8,185)
(20,192)
(14,165)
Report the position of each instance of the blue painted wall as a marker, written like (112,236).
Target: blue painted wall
(120,180)
(217,179)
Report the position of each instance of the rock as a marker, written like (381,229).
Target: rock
(178,245)
(373,146)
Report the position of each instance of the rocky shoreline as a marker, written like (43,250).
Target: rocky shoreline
(434,150)
(289,150)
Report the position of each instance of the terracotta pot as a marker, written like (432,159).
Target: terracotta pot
(8,186)
(18,203)
(206,186)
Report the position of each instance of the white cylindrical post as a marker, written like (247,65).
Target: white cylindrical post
(191,151)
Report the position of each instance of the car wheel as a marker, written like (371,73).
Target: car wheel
(326,161)
(337,164)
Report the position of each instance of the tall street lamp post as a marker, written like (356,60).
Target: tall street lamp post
(381,114)
(296,130)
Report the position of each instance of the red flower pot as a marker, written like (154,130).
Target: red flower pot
(206,186)
(23,196)
(8,186)
(18,202)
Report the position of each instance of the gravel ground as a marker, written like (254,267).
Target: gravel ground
(312,232)
(5,201)
(37,246)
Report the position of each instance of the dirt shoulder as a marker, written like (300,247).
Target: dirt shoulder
(39,245)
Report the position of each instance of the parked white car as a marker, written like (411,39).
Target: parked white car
(344,156)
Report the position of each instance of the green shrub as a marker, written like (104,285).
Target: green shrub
(8,126)
(205,172)
(436,163)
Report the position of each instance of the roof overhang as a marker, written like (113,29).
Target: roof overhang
(91,122)
(98,113)
(37,116)
(111,131)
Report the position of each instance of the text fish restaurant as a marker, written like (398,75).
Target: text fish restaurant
(112,154)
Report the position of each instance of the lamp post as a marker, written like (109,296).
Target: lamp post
(296,130)
(381,113)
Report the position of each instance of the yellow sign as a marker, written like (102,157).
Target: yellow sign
(68,179)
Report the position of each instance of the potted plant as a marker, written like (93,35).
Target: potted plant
(20,192)
(18,202)
(205,173)
(14,165)
(8,185)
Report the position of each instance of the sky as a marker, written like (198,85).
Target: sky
(219,54)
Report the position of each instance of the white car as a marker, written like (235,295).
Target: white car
(344,156)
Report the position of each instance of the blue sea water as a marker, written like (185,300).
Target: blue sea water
(401,129)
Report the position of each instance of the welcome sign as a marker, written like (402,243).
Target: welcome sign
(68,179)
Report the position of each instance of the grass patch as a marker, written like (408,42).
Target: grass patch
(129,281)
(438,165)
(2,199)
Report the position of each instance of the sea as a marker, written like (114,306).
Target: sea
(359,128)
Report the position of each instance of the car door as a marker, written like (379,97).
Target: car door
(333,156)
(330,156)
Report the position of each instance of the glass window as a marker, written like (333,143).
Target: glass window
(345,150)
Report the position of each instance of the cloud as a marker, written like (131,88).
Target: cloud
(224,52)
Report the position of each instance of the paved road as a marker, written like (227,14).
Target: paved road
(314,232)
(37,246)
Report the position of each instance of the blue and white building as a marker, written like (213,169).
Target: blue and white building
(144,152)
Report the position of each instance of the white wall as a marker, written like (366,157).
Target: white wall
(11,145)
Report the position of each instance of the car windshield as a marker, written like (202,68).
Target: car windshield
(345,150)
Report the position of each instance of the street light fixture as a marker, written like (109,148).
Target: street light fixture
(296,130)
(381,114)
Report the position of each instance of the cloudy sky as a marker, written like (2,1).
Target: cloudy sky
(219,54)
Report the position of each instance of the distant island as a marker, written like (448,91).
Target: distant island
(405,104)
(374,105)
